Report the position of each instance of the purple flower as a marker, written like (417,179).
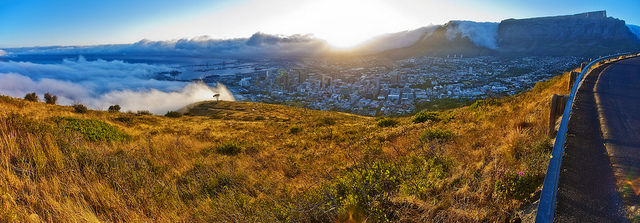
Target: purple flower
(521,173)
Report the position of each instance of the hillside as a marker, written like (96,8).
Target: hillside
(248,162)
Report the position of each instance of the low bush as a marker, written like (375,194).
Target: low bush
(93,130)
(387,122)
(114,108)
(80,108)
(50,99)
(421,117)
(484,103)
(31,97)
(436,134)
(173,114)
(295,130)
(324,121)
(143,112)
(515,185)
(231,148)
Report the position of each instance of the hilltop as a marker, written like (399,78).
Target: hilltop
(251,162)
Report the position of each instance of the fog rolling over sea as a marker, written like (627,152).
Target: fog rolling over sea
(100,83)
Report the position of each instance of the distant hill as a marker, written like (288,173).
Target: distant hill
(586,34)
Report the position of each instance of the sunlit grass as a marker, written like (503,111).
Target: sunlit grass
(249,162)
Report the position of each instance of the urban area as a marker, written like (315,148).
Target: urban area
(374,86)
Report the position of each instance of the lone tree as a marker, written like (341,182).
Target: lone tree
(49,99)
(114,108)
(217,96)
(31,97)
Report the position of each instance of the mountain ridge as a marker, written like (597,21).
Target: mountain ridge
(584,34)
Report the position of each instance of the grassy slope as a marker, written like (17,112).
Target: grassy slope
(263,163)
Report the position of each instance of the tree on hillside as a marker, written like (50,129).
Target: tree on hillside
(217,96)
(114,108)
(50,99)
(31,97)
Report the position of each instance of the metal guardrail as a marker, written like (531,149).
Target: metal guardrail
(546,206)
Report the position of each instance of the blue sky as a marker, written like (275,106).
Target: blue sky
(342,22)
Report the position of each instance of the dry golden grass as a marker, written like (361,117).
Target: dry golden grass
(249,162)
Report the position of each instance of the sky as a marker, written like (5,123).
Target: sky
(342,23)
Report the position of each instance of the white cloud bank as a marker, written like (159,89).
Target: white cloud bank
(635,30)
(258,45)
(482,34)
(99,84)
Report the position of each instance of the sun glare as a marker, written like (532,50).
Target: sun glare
(343,23)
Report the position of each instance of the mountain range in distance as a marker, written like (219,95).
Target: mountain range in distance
(588,34)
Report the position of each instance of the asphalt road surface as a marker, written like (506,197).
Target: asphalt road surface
(617,94)
(601,162)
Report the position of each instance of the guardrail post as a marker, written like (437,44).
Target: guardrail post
(572,79)
(558,102)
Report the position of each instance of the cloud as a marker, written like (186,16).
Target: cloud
(258,45)
(635,30)
(3,53)
(397,40)
(101,83)
(482,34)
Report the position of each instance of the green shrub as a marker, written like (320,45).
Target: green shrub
(31,97)
(484,103)
(143,112)
(324,121)
(114,108)
(80,108)
(173,114)
(387,122)
(50,99)
(421,117)
(437,134)
(295,130)
(231,148)
(92,129)
(515,185)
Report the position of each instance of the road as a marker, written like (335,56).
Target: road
(617,94)
(601,162)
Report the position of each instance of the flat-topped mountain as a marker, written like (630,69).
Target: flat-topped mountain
(586,34)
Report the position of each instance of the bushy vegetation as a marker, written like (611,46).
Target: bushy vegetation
(436,134)
(31,97)
(231,148)
(421,117)
(518,185)
(173,114)
(114,108)
(80,108)
(50,99)
(143,112)
(386,122)
(295,129)
(484,103)
(92,129)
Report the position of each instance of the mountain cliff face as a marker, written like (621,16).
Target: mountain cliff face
(586,34)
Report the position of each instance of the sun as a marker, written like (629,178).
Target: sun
(343,24)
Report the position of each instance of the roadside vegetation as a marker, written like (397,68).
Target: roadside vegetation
(249,162)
